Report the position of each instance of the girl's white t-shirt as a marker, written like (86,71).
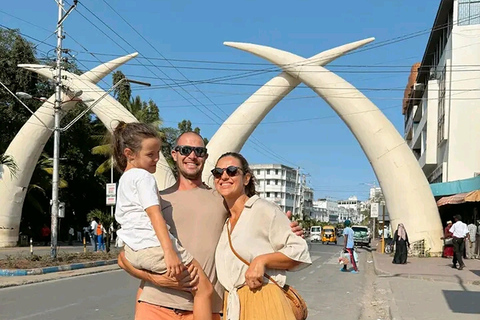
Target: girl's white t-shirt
(137,191)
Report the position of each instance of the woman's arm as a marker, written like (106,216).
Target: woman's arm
(254,275)
(187,281)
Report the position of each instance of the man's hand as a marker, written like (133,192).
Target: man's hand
(295,226)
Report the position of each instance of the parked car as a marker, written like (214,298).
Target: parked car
(361,236)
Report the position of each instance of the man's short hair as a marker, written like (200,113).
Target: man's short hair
(458,217)
(193,132)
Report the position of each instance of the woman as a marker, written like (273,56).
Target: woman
(260,233)
(401,243)
(447,241)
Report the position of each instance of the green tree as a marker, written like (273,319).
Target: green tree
(15,50)
(9,162)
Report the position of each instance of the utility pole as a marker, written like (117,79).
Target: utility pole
(295,193)
(57,108)
(56,133)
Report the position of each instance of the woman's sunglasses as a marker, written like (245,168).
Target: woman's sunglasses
(231,171)
(186,150)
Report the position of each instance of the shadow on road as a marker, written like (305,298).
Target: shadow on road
(463,301)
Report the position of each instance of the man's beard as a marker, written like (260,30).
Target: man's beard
(191,176)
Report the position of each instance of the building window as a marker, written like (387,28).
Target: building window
(268,181)
(276,182)
(276,194)
(268,194)
(268,171)
(441,107)
(258,172)
(276,171)
(468,12)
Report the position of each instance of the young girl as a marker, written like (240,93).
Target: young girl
(148,243)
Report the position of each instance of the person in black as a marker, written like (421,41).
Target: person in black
(401,243)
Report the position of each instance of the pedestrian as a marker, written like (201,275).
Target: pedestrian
(45,232)
(148,243)
(71,234)
(100,231)
(471,240)
(256,230)
(93,234)
(459,231)
(196,214)
(447,241)
(400,239)
(348,246)
(79,235)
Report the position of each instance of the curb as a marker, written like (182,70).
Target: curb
(38,271)
(380,272)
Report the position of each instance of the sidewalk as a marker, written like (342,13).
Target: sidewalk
(432,269)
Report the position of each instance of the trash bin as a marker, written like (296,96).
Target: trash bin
(23,240)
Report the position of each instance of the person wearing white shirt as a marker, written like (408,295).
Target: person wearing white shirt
(460,232)
(477,241)
(93,236)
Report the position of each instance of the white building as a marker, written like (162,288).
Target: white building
(442,101)
(284,186)
(349,209)
(325,210)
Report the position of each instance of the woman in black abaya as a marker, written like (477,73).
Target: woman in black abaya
(401,244)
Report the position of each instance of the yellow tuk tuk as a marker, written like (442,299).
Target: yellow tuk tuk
(329,235)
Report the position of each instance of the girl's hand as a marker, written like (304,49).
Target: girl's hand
(254,274)
(173,263)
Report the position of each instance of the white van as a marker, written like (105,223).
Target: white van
(315,233)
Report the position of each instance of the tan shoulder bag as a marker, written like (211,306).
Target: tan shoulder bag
(299,306)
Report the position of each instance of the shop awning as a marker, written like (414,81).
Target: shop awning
(455,187)
(473,196)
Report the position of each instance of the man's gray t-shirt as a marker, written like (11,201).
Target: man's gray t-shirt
(349,232)
(196,218)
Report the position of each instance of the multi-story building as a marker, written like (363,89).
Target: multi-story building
(325,210)
(441,105)
(284,186)
(349,209)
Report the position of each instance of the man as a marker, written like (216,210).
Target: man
(348,246)
(71,234)
(470,244)
(196,216)
(93,236)
(460,232)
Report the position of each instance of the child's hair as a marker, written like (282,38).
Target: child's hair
(129,135)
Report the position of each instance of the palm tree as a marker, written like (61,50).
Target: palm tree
(9,162)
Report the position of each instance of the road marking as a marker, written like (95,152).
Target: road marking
(319,266)
(311,272)
(47,311)
(303,278)
(314,258)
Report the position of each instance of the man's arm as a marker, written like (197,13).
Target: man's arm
(186,281)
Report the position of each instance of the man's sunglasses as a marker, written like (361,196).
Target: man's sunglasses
(231,171)
(186,150)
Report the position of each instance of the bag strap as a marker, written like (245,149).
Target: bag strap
(245,261)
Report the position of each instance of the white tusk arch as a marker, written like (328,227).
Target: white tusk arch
(234,132)
(29,142)
(407,192)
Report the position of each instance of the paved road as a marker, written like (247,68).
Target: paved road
(329,293)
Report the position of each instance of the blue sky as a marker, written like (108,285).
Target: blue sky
(301,130)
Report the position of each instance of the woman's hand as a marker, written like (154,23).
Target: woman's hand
(254,274)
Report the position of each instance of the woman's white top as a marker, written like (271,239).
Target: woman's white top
(261,229)
(137,191)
